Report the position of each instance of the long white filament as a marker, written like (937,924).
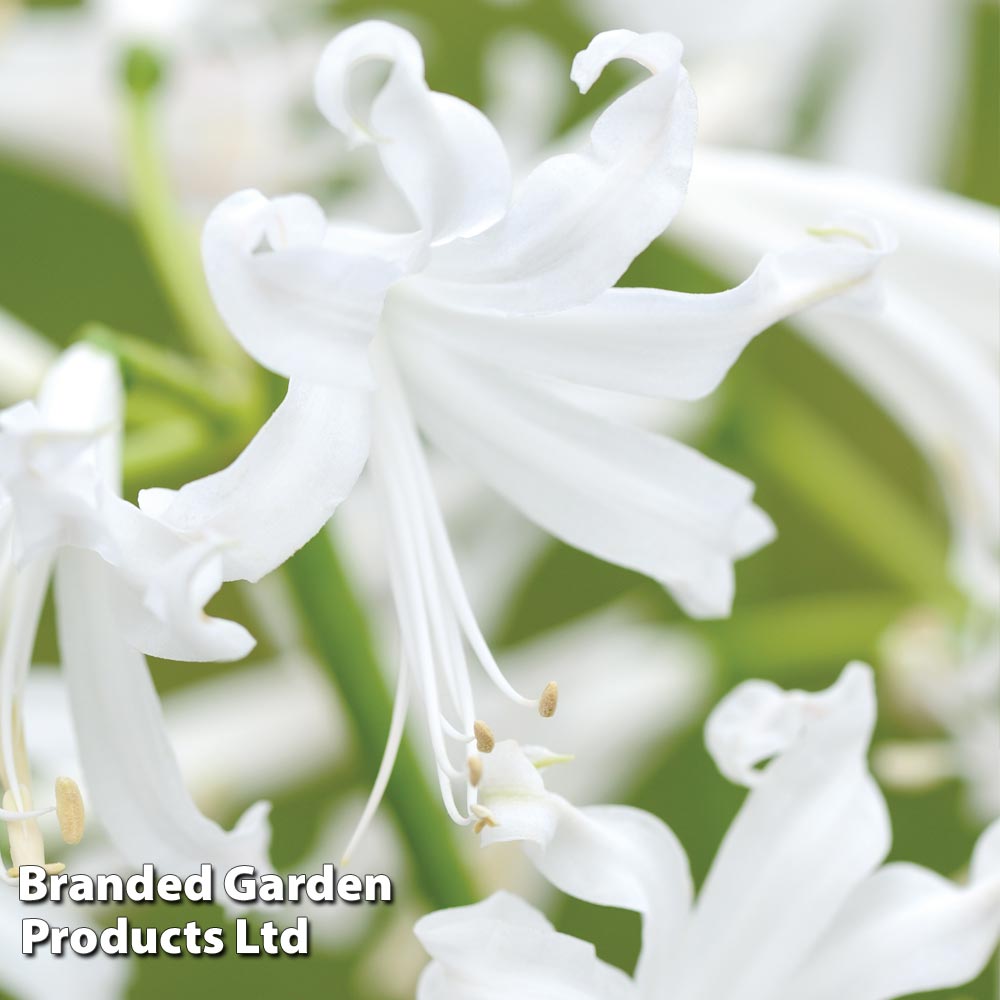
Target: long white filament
(24,611)
(409,598)
(22,596)
(414,637)
(392,744)
(404,426)
(435,617)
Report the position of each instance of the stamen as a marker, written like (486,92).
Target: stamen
(23,836)
(549,700)
(396,726)
(485,740)
(486,818)
(69,810)
(55,868)
(475,770)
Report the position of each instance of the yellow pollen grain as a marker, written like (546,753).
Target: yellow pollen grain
(549,700)
(475,770)
(485,740)
(69,810)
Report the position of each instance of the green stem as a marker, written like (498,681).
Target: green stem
(165,449)
(167,241)
(786,638)
(337,631)
(215,392)
(815,462)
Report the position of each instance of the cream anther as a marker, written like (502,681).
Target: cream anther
(69,810)
(549,700)
(485,740)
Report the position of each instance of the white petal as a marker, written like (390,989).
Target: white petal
(621,493)
(53,453)
(26,355)
(608,855)
(906,930)
(757,721)
(659,685)
(300,308)
(161,584)
(810,832)
(578,220)
(661,343)
(131,771)
(503,948)
(82,391)
(43,976)
(441,153)
(284,486)
(930,356)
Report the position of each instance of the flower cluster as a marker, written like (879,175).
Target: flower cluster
(484,326)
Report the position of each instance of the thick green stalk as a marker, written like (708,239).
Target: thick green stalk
(815,462)
(788,638)
(213,391)
(337,631)
(168,243)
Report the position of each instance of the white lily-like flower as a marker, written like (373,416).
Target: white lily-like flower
(930,356)
(121,579)
(234,84)
(948,682)
(797,905)
(878,79)
(466,329)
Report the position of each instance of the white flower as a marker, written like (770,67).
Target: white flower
(930,356)
(949,681)
(235,80)
(120,579)
(797,905)
(465,329)
(835,71)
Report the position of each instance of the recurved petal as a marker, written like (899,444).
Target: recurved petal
(619,492)
(298,306)
(608,855)
(661,343)
(504,948)
(906,930)
(160,590)
(282,488)
(578,220)
(442,153)
(812,830)
(131,772)
(758,721)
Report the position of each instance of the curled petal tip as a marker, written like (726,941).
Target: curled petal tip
(657,51)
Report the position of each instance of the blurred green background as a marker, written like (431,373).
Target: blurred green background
(805,605)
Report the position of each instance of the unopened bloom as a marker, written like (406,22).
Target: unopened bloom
(797,905)
(467,329)
(122,580)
